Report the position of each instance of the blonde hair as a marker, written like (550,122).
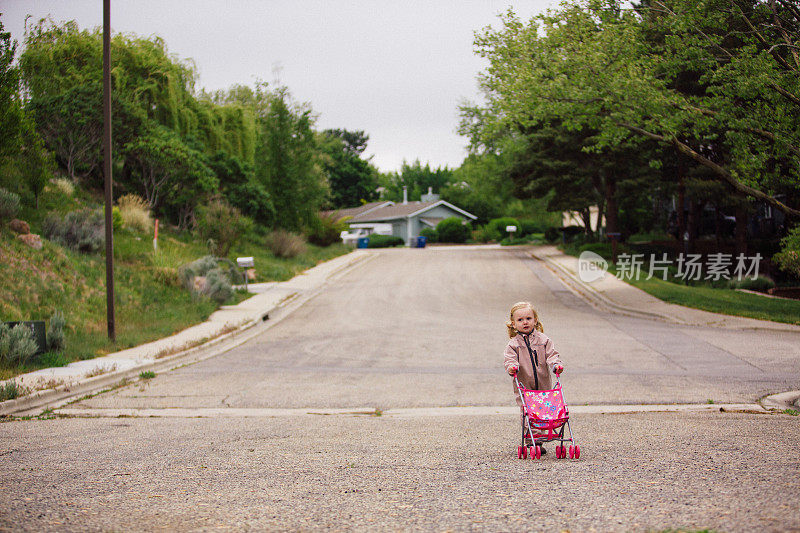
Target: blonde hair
(512,331)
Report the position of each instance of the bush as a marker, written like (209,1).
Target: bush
(16,345)
(55,332)
(384,241)
(116,218)
(325,230)
(82,230)
(788,259)
(64,186)
(9,205)
(430,234)
(497,226)
(527,227)
(286,244)
(453,230)
(12,389)
(221,225)
(761,284)
(135,213)
(204,277)
(551,234)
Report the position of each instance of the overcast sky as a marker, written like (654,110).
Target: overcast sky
(397,70)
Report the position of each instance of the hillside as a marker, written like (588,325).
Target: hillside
(150,300)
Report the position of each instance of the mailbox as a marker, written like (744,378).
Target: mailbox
(245,262)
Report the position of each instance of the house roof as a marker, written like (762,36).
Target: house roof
(354,212)
(395,211)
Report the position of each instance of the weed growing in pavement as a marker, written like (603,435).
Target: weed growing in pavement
(791,412)
(148,374)
(100,370)
(710,401)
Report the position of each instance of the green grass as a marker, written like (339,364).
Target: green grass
(149,374)
(149,301)
(722,300)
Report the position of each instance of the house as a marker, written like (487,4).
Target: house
(404,220)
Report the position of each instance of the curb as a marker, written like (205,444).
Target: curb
(782,401)
(593,297)
(65,393)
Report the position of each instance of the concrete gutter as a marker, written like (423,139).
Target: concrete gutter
(225,329)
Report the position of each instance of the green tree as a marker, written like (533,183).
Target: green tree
(352,180)
(288,162)
(592,64)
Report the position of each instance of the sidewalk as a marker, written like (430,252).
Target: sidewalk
(616,296)
(219,333)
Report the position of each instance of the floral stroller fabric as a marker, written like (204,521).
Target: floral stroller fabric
(545,415)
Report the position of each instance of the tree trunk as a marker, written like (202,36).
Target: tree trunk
(600,212)
(718,225)
(741,229)
(611,205)
(586,215)
(681,207)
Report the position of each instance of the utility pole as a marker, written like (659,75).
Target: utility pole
(107,169)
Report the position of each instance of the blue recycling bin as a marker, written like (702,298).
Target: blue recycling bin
(363,242)
(421,241)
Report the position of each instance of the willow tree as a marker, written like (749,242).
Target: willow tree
(594,64)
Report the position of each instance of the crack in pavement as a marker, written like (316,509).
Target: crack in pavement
(400,412)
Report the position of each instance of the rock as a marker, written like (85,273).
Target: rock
(32,240)
(251,274)
(19,226)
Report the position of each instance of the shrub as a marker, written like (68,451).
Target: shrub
(64,186)
(497,226)
(16,344)
(761,284)
(551,234)
(221,225)
(788,259)
(135,213)
(325,230)
(527,227)
(12,389)
(116,218)
(204,277)
(286,244)
(384,241)
(55,332)
(9,204)
(430,234)
(454,230)
(82,230)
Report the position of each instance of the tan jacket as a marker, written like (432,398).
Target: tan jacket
(542,351)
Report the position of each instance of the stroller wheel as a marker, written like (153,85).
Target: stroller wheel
(538,452)
(577,452)
(559,452)
(522,452)
(571,451)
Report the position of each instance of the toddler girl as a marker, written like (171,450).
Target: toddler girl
(530,351)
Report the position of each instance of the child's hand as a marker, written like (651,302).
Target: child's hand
(558,369)
(512,371)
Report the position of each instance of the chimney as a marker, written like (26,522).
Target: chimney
(405,194)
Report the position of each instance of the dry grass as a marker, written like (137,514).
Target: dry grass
(285,244)
(63,185)
(135,213)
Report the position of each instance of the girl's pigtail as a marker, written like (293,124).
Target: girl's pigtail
(512,332)
(539,327)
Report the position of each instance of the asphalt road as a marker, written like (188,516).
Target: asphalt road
(416,329)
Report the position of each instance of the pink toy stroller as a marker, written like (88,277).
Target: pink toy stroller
(546,413)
